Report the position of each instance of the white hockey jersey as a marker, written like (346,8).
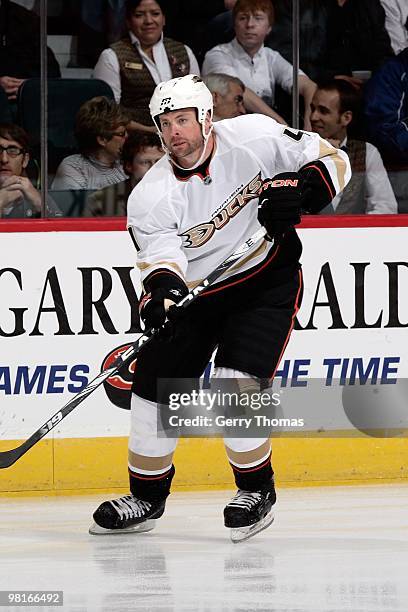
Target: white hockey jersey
(190,226)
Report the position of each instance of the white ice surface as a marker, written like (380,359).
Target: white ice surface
(329,550)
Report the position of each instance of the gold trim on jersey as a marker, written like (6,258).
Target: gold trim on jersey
(144,266)
(341,165)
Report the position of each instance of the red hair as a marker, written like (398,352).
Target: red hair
(251,6)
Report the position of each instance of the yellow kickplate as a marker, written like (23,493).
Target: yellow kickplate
(33,472)
(77,464)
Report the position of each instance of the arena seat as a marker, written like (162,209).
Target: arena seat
(65,96)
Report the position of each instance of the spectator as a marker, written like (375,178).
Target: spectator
(396,22)
(18,196)
(386,108)
(259,67)
(100,130)
(228,95)
(140,152)
(134,65)
(386,111)
(20,48)
(369,191)
(356,37)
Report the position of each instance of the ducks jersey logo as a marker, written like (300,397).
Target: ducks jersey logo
(200,234)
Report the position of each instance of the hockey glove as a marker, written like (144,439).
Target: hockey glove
(280,203)
(155,306)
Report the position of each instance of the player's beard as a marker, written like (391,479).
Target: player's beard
(189,149)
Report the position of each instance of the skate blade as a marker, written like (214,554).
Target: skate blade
(240,534)
(140,528)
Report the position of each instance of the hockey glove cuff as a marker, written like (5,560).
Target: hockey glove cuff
(280,203)
(163,291)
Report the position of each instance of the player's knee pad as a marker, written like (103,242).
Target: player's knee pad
(143,439)
(221,372)
(246,384)
(243,445)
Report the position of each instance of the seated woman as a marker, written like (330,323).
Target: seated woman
(258,67)
(140,152)
(100,130)
(134,65)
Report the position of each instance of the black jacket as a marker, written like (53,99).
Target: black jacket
(192,21)
(356,37)
(20,43)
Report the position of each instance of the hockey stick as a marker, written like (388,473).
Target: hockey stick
(7,458)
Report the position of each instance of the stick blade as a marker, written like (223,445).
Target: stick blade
(7,458)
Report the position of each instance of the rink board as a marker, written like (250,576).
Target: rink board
(68,302)
(100,463)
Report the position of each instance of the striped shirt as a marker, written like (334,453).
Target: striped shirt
(79,172)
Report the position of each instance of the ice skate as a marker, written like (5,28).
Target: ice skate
(126,514)
(249,512)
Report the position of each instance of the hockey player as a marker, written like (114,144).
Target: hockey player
(189,212)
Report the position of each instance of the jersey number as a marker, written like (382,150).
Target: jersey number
(294,135)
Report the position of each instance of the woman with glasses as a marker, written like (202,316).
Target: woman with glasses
(100,130)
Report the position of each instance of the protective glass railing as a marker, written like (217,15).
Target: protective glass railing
(99,139)
(346,48)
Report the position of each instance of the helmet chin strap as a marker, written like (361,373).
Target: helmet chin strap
(202,156)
